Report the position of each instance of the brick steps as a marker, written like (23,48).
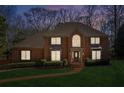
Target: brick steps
(77,66)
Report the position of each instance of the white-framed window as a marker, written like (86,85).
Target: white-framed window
(25,55)
(76,41)
(95,40)
(96,54)
(55,40)
(55,55)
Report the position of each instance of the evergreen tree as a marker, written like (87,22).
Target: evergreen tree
(3,32)
(120,42)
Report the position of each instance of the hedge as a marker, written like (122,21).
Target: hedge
(17,65)
(40,63)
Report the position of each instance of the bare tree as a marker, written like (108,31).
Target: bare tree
(69,15)
(40,18)
(115,18)
(89,14)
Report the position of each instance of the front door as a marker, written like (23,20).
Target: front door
(76,56)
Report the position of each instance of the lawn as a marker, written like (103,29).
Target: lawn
(29,72)
(109,75)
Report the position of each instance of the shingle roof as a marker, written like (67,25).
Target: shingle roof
(65,29)
(62,29)
(34,41)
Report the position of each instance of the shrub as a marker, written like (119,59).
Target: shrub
(65,62)
(53,63)
(43,60)
(40,62)
(97,62)
(17,65)
(89,60)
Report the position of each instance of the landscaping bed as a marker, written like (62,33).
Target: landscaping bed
(91,62)
(37,64)
(101,76)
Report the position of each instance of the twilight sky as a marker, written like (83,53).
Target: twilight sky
(23,8)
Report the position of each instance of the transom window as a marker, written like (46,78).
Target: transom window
(25,55)
(55,55)
(95,40)
(96,54)
(76,41)
(56,40)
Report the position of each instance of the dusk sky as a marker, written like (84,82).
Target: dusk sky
(23,8)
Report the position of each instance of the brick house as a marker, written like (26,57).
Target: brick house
(73,41)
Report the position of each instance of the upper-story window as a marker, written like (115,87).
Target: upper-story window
(95,40)
(56,40)
(76,41)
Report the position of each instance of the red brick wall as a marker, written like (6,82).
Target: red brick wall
(64,50)
(47,48)
(36,54)
(104,43)
(45,53)
(86,48)
(4,62)
(105,46)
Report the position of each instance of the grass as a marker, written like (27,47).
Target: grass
(105,76)
(29,72)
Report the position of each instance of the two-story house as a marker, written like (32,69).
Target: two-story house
(73,41)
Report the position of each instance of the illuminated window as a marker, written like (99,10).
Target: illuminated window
(95,40)
(76,41)
(55,55)
(25,55)
(55,40)
(96,54)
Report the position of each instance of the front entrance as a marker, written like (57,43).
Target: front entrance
(76,56)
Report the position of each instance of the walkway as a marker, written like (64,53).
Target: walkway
(74,71)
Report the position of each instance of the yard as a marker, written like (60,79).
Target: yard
(109,75)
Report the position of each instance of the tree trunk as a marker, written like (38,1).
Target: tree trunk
(115,27)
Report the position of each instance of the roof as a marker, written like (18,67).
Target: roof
(66,29)
(34,41)
(62,29)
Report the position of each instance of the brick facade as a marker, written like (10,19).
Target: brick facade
(66,45)
(36,54)
(66,48)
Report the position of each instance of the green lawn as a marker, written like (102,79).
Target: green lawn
(29,72)
(111,75)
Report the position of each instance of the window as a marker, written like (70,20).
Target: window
(96,54)
(55,55)
(55,40)
(25,55)
(95,40)
(76,41)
